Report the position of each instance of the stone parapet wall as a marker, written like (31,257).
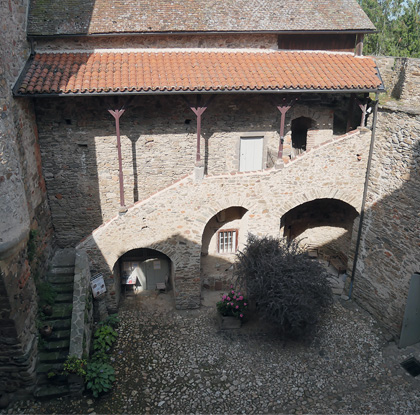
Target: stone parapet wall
(173,220)
(82,313)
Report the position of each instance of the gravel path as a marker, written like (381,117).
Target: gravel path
(170,361)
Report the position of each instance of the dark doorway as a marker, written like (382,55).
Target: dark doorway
(300,127)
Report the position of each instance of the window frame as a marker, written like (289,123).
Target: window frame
(234,248)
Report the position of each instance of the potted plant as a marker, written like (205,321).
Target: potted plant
(232,309)
(75,369)
(46,330)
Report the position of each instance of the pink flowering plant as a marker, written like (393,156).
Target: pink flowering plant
(233,304)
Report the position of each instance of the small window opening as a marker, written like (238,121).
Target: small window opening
(187,121)
(68,121)
(228,241)
(300,127)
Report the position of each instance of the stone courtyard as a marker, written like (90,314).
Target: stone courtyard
(178,361)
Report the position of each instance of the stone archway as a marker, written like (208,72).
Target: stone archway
(324,224)
(222,236)
(144,269)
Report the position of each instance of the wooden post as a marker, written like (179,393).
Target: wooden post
(283,108)
(359,44)
(198,110)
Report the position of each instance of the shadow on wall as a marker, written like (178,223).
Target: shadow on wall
(70,166)
(223,235)
(390,245)
(158,139)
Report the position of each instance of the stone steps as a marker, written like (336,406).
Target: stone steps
(64,298)
(61,311)
(55,348)
(58,279)
(57,345)
(63,289)
(48,357)
(51,391)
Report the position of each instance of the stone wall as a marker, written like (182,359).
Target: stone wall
(23,207)
(390,243)
(173,220)
(402,78)
(232,41)
(158,139)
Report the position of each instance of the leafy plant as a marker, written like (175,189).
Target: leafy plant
(233,304)
(99,377)
(289,288)
(100,356)
(75,365)
(112,320)
(105,337)
(46,294)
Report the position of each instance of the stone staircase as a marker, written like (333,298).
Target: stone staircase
(54,349)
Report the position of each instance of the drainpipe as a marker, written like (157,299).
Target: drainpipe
(362,211)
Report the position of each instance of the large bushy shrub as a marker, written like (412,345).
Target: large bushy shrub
(289,288)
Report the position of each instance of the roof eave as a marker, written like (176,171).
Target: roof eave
(183,92)
(175,33)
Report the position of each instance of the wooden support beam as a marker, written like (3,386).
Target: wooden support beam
(198,110)
(364,107)
(283,108)
(117,115)
(359,44)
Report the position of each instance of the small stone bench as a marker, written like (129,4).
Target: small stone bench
(339,262)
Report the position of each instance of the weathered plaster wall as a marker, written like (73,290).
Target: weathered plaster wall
(158,139)
(173,220)
(390,244)
(23,207)
(237,41)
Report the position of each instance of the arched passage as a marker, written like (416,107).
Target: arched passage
(321,223)
(144,269)
(223,235)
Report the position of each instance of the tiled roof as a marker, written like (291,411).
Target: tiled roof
(64,17)
(195,71)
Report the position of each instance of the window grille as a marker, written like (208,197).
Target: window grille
(228,241)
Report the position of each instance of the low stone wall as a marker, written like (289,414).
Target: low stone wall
(82,314)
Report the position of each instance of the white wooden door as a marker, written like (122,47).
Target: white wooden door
(251,154)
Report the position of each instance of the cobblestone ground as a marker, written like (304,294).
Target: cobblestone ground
(170,361)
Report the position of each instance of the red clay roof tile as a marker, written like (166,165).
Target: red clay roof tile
(191,71)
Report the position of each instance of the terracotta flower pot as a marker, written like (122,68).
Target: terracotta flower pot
(47,310)
(46,331)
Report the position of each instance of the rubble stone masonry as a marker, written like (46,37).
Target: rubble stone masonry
(390,243)
(23,207)
(173,220)
(158,141)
